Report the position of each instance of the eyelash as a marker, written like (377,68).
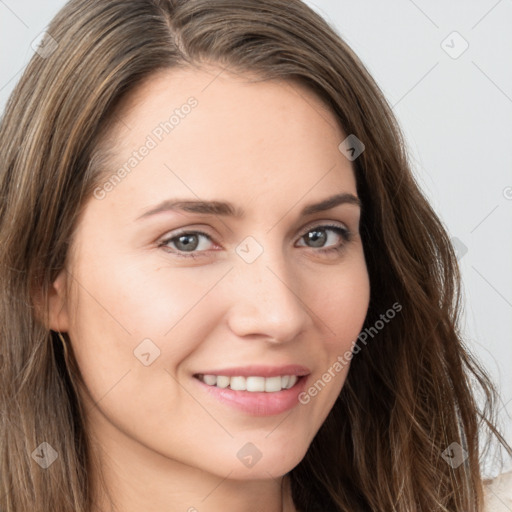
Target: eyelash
(345,234)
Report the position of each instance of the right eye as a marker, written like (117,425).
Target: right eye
(186,243)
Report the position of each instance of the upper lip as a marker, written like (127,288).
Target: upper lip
(259,370)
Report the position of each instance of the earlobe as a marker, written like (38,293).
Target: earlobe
(58,319)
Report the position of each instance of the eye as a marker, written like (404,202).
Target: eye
(188,242)
(324,237)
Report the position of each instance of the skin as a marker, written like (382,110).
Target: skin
(270,148)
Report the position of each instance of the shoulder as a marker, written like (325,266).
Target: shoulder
(498,493)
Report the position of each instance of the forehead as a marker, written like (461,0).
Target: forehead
(204,129)
(229,101)
(214,83)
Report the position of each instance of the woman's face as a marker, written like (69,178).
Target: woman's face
(168,282)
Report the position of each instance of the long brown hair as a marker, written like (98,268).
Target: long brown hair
(412,390)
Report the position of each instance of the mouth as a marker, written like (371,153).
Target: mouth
(252,383)
(254,395)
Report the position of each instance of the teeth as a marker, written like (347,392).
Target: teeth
(272,383)
(253,384)
(222,381)
(237,383)
(211,380)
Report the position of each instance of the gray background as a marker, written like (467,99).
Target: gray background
(455,108)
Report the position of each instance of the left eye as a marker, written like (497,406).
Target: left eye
(319,237)
(193,243)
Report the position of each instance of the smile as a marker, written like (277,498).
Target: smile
(252,383)
(253,395)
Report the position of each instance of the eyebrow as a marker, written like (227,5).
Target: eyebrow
(224,208)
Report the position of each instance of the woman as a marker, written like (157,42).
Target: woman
(222,288)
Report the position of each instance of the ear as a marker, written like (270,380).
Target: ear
(58,318)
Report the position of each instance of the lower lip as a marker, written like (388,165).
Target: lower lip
(258,403)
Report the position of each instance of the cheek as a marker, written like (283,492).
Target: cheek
(341,304)
(129,317)
(136,300)
(341,299)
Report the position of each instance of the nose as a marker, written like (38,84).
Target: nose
(266,301)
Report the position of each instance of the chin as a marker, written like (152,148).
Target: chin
(270,465)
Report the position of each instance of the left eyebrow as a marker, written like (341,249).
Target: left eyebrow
(225,208)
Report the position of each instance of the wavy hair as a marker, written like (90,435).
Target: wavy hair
(410,392)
